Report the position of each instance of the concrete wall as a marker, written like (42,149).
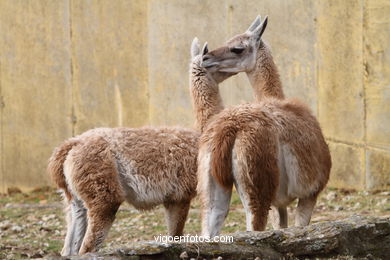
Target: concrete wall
(67,66)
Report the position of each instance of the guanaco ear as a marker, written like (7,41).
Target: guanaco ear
(195,47)
(254,24)
(205,49)
(258,32)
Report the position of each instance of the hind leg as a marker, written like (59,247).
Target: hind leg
(256,205)
(218,208)
(100,220)
(279,217)
(216,204)
(214,198)
(256,173)
(176,215)
(256,208)
(79,216)
(93,175)
(66,250)
(77,224)
(304,210)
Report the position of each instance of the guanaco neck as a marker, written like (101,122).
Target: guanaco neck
(264,77)
(206,99)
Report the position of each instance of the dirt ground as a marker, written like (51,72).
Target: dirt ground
(32,224)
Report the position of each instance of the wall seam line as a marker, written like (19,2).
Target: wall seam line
(364,65)
(358,145)
(2,174)
(317,57)
(71,64)
(148,61)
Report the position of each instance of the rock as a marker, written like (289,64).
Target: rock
(331,196)
(16,229)
(38,254)
(352,237)
(48,217)
(183,255)
(357,205)
(4,225)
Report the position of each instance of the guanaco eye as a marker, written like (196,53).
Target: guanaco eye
(237,50)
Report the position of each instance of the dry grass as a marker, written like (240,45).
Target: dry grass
(32,224)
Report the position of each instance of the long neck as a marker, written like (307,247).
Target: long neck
(206,98)
(264,78)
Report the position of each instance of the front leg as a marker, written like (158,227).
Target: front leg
(279,217)
(176,215)
(304,210)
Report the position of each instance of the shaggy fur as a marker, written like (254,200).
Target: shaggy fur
(207,103)
(264,77)
(273,151)
(56,165)
(146,167)
(204,89)
(104,167)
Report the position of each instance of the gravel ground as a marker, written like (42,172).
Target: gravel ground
(32,224)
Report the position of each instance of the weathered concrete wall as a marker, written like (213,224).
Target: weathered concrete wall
(109,63)
(341,88)
(67,66)
(35,83)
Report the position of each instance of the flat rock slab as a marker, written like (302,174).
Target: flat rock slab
(357,236)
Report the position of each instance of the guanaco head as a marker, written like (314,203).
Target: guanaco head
(197,55)
(239,53)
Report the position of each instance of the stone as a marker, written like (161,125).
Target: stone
(378,169)
(355,236)
(184,255)
(347,166)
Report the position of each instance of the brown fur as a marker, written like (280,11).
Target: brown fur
(205,95)
(144,166)
(264,75)
(206,98)
(95,181)
(255,130)
(252,136)
(258,156)
(266,78)
(176,212)
(288,119)
(56,163)
(204,90)
(221,150)
(207,102)
(264,137)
